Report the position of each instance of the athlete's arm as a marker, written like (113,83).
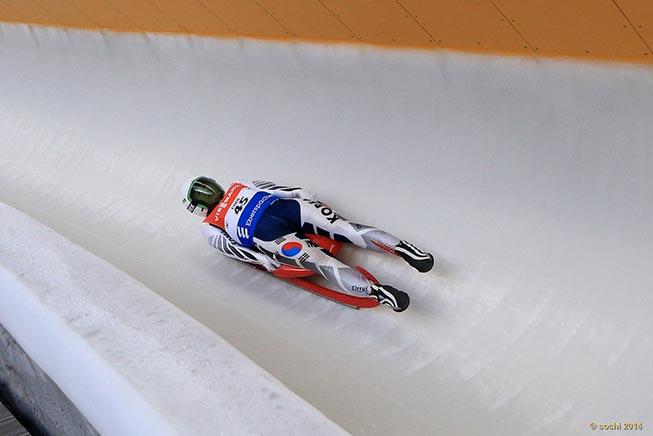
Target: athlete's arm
(221,241)
(283,191)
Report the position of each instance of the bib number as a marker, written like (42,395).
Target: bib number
(239,204)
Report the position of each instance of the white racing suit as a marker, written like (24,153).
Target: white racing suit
(263,223)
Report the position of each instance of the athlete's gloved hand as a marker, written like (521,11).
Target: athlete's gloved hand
(267,262)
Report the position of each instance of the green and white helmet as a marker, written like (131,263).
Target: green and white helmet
(201,195)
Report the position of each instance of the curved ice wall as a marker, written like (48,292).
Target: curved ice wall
(530,180)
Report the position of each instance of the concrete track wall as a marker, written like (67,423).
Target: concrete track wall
(530,181)
(32,394)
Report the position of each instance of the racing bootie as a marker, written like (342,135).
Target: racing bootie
(396,299)
(418,259)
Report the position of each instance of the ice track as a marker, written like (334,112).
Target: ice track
(530,180)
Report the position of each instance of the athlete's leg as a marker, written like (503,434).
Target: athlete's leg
(316,217)
(278,234)
(294,249)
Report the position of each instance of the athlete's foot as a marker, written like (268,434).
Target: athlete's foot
(418,259)
(396,299)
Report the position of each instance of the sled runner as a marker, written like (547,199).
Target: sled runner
(300,277)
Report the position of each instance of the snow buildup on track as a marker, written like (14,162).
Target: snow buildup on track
(131,362)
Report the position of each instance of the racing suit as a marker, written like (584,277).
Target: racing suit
(262,223)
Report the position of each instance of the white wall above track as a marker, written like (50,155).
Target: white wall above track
(531,182)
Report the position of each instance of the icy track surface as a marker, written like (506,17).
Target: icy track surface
(530,181)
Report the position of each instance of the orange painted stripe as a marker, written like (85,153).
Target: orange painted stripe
(617,30)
